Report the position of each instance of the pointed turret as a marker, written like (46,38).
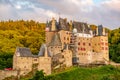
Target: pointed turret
(47,26)
(55,40)
(44,51)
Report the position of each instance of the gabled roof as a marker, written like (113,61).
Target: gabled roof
(23,52)
(55,40)
(43,51)
(81,27)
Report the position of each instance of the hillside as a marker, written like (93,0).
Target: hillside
(78,73)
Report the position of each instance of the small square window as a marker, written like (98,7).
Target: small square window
(35,59)
(84,44)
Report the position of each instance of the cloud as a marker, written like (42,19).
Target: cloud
(104,12)
(112,4)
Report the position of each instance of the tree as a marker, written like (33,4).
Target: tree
(39,75)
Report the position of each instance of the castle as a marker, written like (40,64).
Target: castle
(67,43)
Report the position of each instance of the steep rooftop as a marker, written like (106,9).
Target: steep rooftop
(81,27)
(44,51)
(55,40)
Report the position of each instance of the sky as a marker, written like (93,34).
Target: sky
(105,12)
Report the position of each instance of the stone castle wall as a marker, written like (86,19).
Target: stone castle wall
(4,73)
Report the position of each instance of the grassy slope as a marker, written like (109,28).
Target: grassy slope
(98,73)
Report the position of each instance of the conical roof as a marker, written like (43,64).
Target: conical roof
(44,51)
(55,40)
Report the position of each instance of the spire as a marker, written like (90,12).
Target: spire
(47,26)
(46,52)
(59,14)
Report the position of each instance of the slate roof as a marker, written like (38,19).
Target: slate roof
(63,24)
(24,52)
(42,51)
(81,27)
(55,40)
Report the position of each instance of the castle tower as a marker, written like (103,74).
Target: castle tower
(53,27)
(22,60)
(67,56)
(55,45)
(100,45)
(50,30)
(44,60)
(100,30)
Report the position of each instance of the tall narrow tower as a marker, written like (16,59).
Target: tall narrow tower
(53,27)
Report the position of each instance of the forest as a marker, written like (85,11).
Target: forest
(114,45)
(31,34)
(19,33)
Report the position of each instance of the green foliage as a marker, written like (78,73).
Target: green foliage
(21,33)
(98,73)
(114,45)
(39,75)
(77,73)
(93,27)
(6,60)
